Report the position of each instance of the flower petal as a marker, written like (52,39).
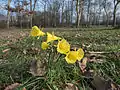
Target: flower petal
(36,31)
(63,46)
(71,57)
(52,37)
(44,45)
(80,54)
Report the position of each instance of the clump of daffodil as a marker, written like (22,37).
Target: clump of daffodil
(63,46)
(52,37)
(73,56)
(44,45)
(36,32)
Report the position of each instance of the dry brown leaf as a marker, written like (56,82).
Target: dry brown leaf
(113,86)
(70,86)
(92,52)
(84,61)
(6,50)
(97,58)
(24,88)
(5,54)
(37,68)
(12,86)
(82,64)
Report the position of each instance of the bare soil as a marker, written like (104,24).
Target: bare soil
(12,35)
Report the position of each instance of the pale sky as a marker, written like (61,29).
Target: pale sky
(40,6)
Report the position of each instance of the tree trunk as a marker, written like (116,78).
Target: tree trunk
(62,17)
(32,10)
(55,21)
(68,15)
(65,13)
(45,14)
(31,14)
(21,20)
(114,14)
(99,17)
(79,9)
(107,21)
(8,15)
(35,1)
(88,12)
(71,18)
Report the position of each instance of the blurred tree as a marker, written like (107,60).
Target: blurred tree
(107,8)
(116,2)
(8,14)
(32,9)
(79,11)
(55,13)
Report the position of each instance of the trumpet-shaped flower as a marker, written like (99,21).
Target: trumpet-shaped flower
(44,45)
(36,31)
(80,53)
(52,37)
(63,46)
(71,57)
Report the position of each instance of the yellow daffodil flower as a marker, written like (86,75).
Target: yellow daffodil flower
(35,27)
(44,45)
(63,46)
(52,37)
(36,32)
(71,57)
(80,54)
(41,33)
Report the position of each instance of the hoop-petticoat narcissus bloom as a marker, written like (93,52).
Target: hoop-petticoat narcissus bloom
(80,54)
(36,32)
(52,37)
(63,46)
(73,56)
(44,45)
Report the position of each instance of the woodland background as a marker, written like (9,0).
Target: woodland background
(59,13)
